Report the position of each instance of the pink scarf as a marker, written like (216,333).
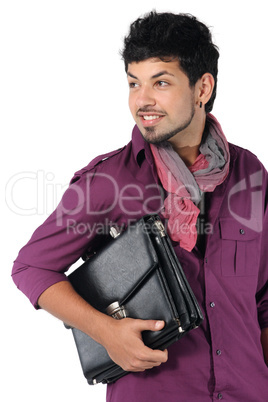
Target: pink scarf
(185,185)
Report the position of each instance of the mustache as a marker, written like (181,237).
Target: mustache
(149,110)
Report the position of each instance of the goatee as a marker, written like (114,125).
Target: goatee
(152,137)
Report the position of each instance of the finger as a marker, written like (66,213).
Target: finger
(150,365)
(150,325)
(160,356)
(146,359)
(141,366)
(145,365)
(152,356)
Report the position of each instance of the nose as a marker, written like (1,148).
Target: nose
(145,97)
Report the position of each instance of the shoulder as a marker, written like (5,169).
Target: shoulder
(244,157)
(107,159)
(246,170)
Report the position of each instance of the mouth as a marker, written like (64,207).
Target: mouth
(149,119)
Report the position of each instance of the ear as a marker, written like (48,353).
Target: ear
(204,88)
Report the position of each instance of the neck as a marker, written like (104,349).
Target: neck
(188,153)
(186,143)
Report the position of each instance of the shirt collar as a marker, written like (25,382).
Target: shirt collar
(141,148)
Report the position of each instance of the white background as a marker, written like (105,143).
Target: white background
(63,100)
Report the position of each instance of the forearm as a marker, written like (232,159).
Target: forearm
(63,302)
(264,342)
(121,338)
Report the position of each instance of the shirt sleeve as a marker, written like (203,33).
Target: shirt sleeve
(60,241)
(262,293)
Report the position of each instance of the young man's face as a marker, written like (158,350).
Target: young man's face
(160,99)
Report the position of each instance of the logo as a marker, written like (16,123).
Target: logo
(254,222)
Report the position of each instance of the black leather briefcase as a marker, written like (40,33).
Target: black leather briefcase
(136,275)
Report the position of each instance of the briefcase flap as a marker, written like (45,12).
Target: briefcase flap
(106,278)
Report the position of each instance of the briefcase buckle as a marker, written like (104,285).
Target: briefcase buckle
(114,232)
(160,228)
(116,311)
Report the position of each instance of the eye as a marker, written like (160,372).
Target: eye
(162,83)
(133,84)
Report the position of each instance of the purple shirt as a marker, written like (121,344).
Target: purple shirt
(223,358)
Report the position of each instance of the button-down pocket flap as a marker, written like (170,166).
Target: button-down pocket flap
(231,229)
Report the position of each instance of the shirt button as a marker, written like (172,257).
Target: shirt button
(212,304)
(219,396)
(242,232)
(218,352)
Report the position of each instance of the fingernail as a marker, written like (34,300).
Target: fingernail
(159,324)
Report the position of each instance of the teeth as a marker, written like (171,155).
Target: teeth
(150,117)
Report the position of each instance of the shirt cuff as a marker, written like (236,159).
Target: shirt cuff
(34,281)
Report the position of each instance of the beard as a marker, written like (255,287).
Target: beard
(153,137)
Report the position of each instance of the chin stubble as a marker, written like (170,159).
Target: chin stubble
(152,137)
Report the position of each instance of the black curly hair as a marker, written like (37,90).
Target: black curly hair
(168,36)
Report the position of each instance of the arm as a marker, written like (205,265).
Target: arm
(55,246)
(264,342)
(262,294)
(121,338)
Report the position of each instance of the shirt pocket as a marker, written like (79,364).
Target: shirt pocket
(239,249)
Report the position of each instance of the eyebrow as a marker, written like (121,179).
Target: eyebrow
(164,72)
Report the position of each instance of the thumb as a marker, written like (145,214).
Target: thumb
(151,325)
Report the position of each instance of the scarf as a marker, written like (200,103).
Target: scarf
(185,186)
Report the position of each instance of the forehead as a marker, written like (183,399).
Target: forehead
(153,66)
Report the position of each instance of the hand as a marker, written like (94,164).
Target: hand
(124,344)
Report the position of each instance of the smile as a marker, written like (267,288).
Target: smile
(148,120)
(151,117)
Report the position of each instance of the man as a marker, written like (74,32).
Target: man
(213,196)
